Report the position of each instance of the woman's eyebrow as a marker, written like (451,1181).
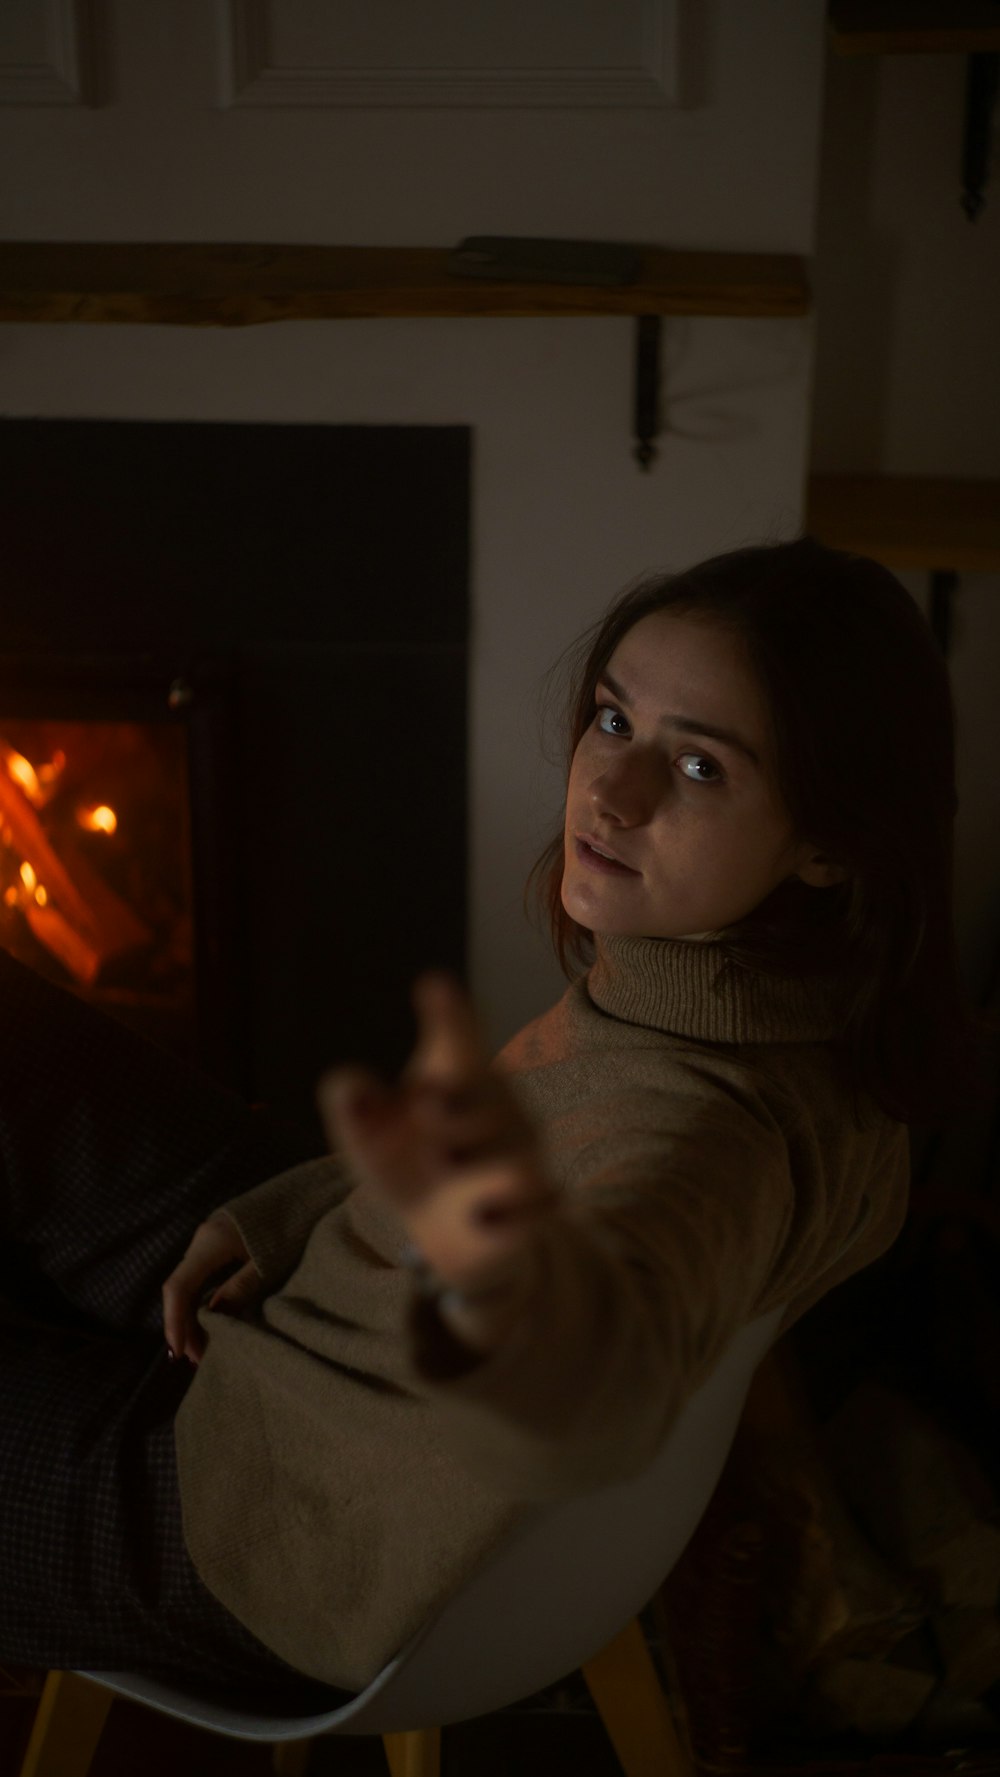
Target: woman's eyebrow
(688,724)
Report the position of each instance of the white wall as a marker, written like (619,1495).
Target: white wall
(908,374)
(562,516)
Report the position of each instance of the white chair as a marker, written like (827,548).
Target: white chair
(552,1598)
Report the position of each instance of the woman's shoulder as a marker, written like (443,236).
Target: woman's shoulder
(575,1034)
(575,1059)
(575,1053)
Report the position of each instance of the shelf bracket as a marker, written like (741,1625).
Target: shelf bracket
(981,82)
(646,424)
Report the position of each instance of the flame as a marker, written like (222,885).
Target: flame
(28,877)
(101,819)
(10,896)
(41,895)
(24,775)
(47,774)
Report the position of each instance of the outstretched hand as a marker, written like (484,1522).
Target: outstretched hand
(447,1146)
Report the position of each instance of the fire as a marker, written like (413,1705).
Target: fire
(24,775)
(36,891)
(101,819)
(49,774)
(38,784)
(54,892)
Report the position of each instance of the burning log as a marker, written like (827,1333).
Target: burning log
(80,920)
(30,839)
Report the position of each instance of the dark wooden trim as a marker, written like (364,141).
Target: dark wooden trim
(195,284)
(914,27)
(920,522)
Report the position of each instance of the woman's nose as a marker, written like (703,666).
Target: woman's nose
(626,792)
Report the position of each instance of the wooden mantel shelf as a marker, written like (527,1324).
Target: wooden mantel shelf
(190,284)
(914,27)
(916,522)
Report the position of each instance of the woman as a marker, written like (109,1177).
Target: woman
(509,1279)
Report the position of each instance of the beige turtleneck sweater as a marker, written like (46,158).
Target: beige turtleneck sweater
(345,1462)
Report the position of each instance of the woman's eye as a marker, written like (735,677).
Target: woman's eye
(705,772)
(610,720)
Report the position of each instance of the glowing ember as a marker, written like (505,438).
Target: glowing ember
(24,775)
(101,819)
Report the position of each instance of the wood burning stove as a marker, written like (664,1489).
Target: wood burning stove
(117,845)
(233,731)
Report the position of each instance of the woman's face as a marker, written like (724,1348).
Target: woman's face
(675,827)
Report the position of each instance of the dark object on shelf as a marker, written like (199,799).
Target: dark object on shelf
(982,81)
(649,330)
(944,585)
(520,259)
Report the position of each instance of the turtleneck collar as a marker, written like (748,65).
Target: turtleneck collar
(668,984)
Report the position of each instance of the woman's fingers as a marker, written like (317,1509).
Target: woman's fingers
(449,1048)
(449,1146)
(215,1245)
(180,1326)
(361,1118)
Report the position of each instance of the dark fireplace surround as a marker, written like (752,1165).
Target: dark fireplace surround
(295,599)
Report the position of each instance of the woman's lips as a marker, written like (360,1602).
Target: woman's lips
(596,860)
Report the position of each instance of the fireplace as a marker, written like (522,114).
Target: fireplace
(233,667)
(95,863)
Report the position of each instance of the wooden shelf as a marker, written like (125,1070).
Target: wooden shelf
(914,27)
(190,284)
(909,521)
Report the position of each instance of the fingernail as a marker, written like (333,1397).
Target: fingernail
(171,1353)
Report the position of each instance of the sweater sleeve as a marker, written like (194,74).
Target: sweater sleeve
(276,1217)
(662,1247)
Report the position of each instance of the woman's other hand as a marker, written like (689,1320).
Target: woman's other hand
(217,1246)
(449,1147)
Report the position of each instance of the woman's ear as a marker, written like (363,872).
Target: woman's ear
(819,871)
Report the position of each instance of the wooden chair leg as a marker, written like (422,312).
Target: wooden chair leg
(623,1682)
(416,1754)
(68,1722)
(290,1758)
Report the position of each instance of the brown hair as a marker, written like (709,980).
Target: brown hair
(863,722)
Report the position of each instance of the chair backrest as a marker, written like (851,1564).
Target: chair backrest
(565,1582)
(551,1595)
